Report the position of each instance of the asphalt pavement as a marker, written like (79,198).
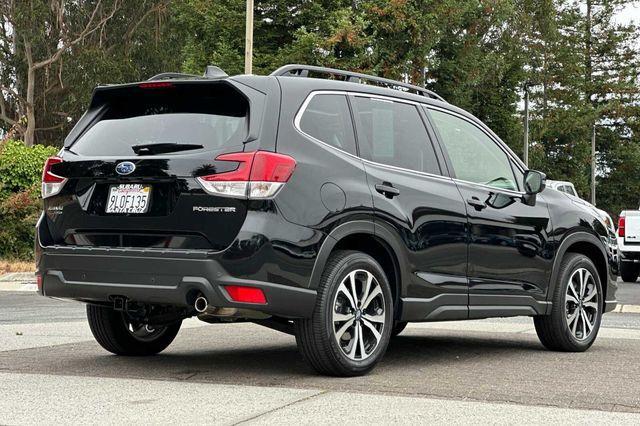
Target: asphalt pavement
(489,371)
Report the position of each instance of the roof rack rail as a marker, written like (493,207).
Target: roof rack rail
(297,70)
(172,75)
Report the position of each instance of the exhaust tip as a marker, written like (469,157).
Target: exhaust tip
(201,304)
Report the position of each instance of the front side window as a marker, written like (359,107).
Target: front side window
(327,118)
(475,157)
(393,133)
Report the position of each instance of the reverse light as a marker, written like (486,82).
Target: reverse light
(259,175)
(245,294)
(621,225)
(51,183)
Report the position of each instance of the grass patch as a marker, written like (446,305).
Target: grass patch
(8,266)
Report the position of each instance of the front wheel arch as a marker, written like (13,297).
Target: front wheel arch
(582,243)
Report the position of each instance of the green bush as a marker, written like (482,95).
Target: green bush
(18,215)
(20,205)
(21,166)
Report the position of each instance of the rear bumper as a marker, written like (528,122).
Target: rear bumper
(157,276)
(628,252)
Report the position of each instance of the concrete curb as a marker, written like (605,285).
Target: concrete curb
(627,309)
(18,276)
(18,281)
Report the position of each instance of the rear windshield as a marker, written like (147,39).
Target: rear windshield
(213,116)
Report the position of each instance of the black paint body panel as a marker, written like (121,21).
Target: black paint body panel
(452,262)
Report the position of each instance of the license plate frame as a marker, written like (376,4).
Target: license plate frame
(128,198)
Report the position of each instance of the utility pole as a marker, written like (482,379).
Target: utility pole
(593,166)
(525,155)
(248,46)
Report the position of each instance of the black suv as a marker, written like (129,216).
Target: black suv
(336,209)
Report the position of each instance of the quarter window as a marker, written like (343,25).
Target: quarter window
(328,119)
(475,157)
(393,133)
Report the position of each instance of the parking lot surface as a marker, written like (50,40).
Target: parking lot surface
(489,371)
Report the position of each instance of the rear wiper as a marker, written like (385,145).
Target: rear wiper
(163,148)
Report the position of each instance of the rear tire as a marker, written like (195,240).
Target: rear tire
(117,334)
(350,328)
(577,307)
(629,272)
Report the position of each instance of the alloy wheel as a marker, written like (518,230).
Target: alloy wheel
(358,314)
(142,332)
(581,303)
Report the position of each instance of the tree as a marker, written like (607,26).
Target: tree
(48,45)
(584,69)
(43,32)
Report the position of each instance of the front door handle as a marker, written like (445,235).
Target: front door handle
(476,203)
(388,190)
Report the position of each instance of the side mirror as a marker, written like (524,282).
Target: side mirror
(534,183)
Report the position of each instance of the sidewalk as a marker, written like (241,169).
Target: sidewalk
(18,281)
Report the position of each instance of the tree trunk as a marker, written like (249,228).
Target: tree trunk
(30,110)
(29,134)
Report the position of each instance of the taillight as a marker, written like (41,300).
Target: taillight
(51,184)
(621,224)
(259,175)
(239,293)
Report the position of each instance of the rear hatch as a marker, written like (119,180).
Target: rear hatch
(129,177)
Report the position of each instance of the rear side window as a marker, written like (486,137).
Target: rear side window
(327,118)
(393,133)
(207,116)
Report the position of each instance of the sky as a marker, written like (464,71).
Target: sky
(630,13)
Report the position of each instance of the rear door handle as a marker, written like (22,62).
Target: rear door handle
(387,190)
(476,203)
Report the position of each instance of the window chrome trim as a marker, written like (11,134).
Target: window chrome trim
(402,169)
(298,118)
(492,188)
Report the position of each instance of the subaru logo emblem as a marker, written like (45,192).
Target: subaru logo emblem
(125,168)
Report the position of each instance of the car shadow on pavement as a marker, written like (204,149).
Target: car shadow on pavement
(274,356)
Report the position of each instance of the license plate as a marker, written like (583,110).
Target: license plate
(128,198)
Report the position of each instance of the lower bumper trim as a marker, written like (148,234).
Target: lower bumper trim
(156,280)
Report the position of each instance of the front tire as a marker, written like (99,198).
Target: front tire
(629,272)
(350,328)
(118,334)
(577,307)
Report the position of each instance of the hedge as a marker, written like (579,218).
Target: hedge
(20,204)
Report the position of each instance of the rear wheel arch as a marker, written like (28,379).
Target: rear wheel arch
(368,238)
(586,244)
